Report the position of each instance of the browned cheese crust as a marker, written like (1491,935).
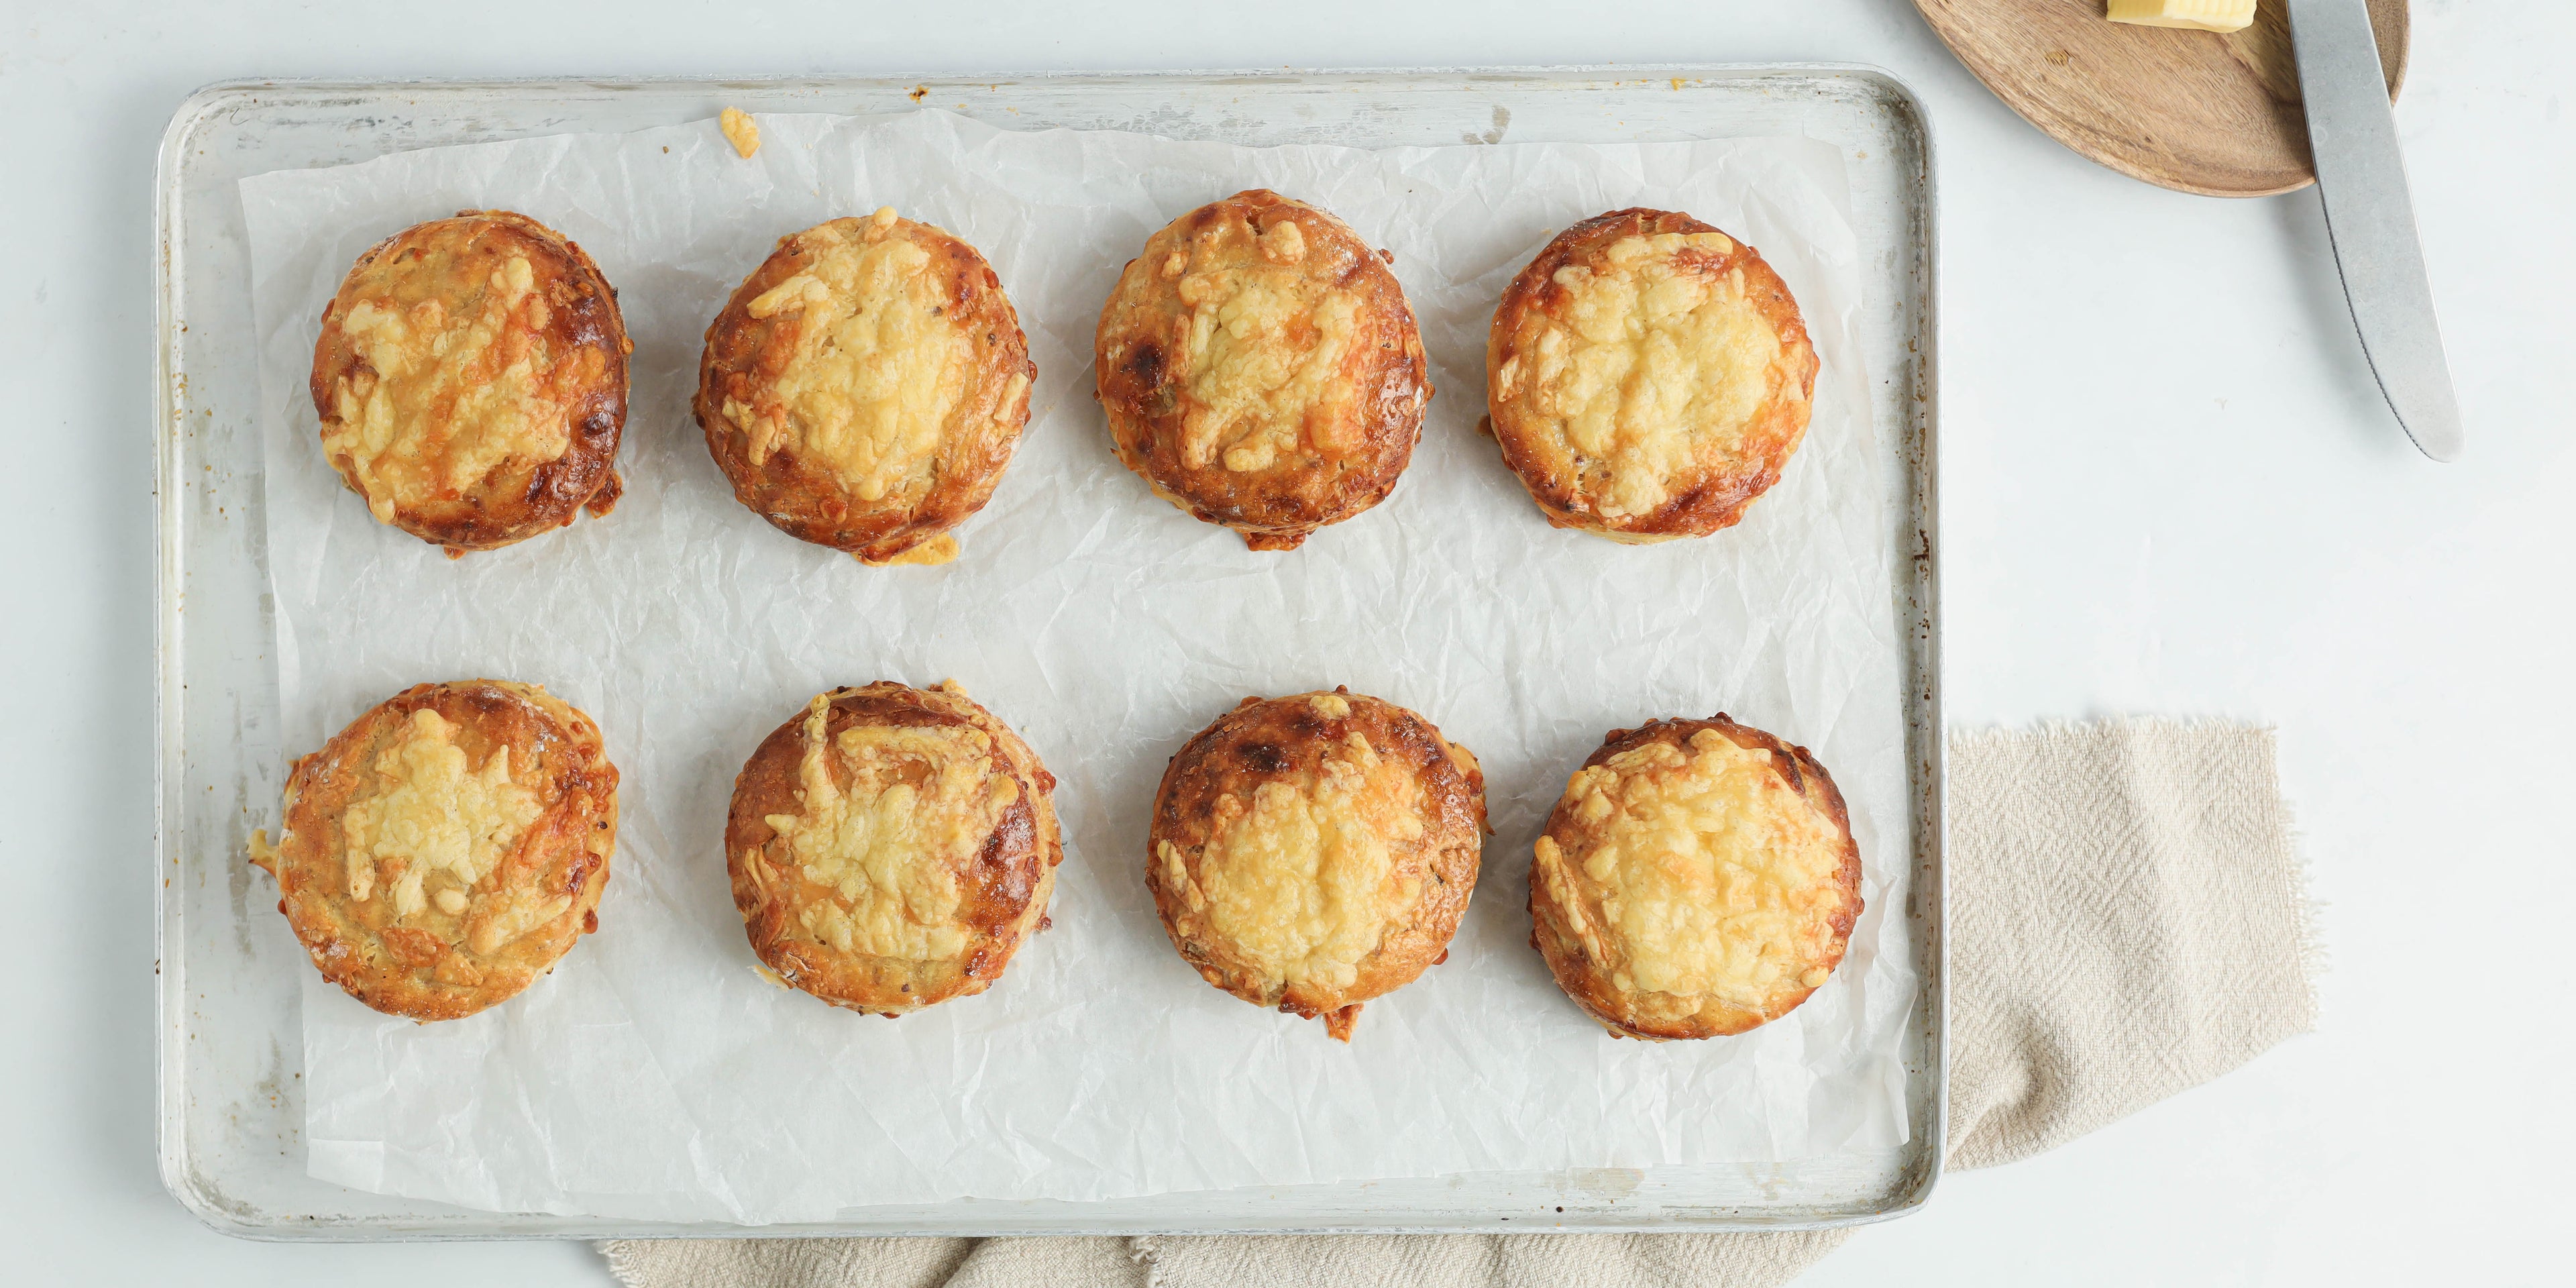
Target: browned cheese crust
(471,380)
(1261,369)
(1697,879)
(1312,852)
(448,847)
(865,387)
(891,847)
(1647,377)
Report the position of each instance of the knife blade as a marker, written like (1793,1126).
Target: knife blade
(2370,218)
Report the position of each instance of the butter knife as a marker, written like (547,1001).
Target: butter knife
(2370,218)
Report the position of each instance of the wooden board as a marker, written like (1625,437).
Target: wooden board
(2190,110)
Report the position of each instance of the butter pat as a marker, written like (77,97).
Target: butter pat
(2198,15)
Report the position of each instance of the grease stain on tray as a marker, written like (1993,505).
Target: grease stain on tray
(1600,1184)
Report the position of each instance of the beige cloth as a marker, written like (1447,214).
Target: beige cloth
(2128,919)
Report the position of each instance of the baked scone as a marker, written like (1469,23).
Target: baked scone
(1697,879)
(865,387)
(1312,852)
(1261,368)
(891,847)
(1648,377)
(471,380)
(448,847)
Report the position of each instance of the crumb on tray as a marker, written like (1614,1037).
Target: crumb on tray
(740,130)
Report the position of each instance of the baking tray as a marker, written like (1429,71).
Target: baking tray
(230,1106)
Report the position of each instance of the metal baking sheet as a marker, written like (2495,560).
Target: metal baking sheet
(230,1109)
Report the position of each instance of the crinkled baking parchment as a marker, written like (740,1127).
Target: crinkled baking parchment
(655,1075)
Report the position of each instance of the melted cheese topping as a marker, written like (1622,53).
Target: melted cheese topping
(1701,874)
(895,846)
(454,385)
(1654,367)
(1302,883)
(938,550)
(1261,350)
(879,363)
(435,829)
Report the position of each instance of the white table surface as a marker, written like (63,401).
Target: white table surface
(2171,488)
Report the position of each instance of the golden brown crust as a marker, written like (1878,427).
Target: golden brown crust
(448,847)
(866,385)
(1648,377)
(1315,851)
(891,847)
(1261,369)
(1686,889)
(471,380)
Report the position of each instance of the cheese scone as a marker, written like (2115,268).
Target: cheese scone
(448,847)
(1312,852)
(471,380)
(1261,369)
(865,386)
(1647,377)
(891,847)
(1697,879)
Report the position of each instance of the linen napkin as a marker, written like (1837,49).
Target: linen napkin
(2128,918)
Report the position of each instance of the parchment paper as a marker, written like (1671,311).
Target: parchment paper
(654,1075)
